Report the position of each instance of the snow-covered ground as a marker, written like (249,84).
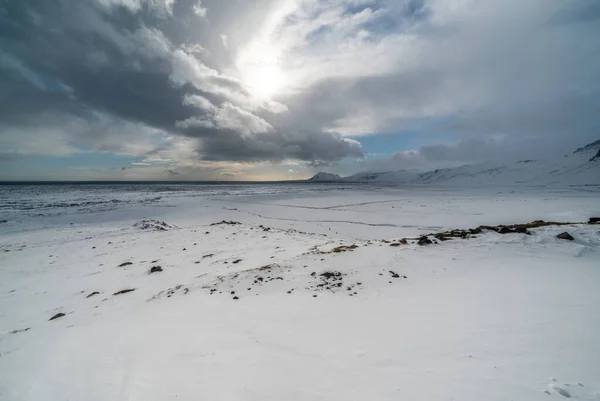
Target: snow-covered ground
(310,297)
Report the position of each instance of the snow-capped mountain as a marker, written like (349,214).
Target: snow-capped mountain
(581,168)
(325,177)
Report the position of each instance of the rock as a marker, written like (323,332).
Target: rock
(125,264)
(394,274)
(424,241)
(150,224)
(594,220)
(566,236)
(155,269)
(226,222)
(329,275)
(236,298)
(124,291)
(92,294)
(57,316)
(235,262)
(20,330)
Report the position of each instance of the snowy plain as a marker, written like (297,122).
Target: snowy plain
(269,309)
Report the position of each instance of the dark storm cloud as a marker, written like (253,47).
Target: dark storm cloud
(125,60)
(297,145)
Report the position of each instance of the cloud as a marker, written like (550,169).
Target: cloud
(169,81)
(117,60)
(469,151)
(199,10)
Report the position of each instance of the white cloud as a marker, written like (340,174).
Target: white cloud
(199,10)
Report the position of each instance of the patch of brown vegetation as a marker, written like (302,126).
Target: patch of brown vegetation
(343,248)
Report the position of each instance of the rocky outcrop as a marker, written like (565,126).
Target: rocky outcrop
(150,224)
(566,236)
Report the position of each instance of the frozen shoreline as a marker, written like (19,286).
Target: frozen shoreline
(492,317)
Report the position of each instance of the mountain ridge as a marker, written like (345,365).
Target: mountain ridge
(581,168)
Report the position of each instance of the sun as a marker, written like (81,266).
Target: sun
(264,80)
(261,72)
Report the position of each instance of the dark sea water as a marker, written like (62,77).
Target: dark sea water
(20,200)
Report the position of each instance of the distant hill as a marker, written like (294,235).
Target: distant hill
(581,168)
(325,177)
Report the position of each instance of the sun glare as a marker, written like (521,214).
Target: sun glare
(261,72)
(263,80)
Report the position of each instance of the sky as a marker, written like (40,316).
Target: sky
(282,89)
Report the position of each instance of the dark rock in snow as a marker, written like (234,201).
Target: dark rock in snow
(394,274)
(57,316)
(155,269)
(231,223)
(20,330)
(235,262)
(125,264)
(594,220)
(566,236)
(92,294)
(329,275)
(150,224)
(424,241)
(124,291)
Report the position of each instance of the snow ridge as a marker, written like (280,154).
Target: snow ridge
(578,169)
